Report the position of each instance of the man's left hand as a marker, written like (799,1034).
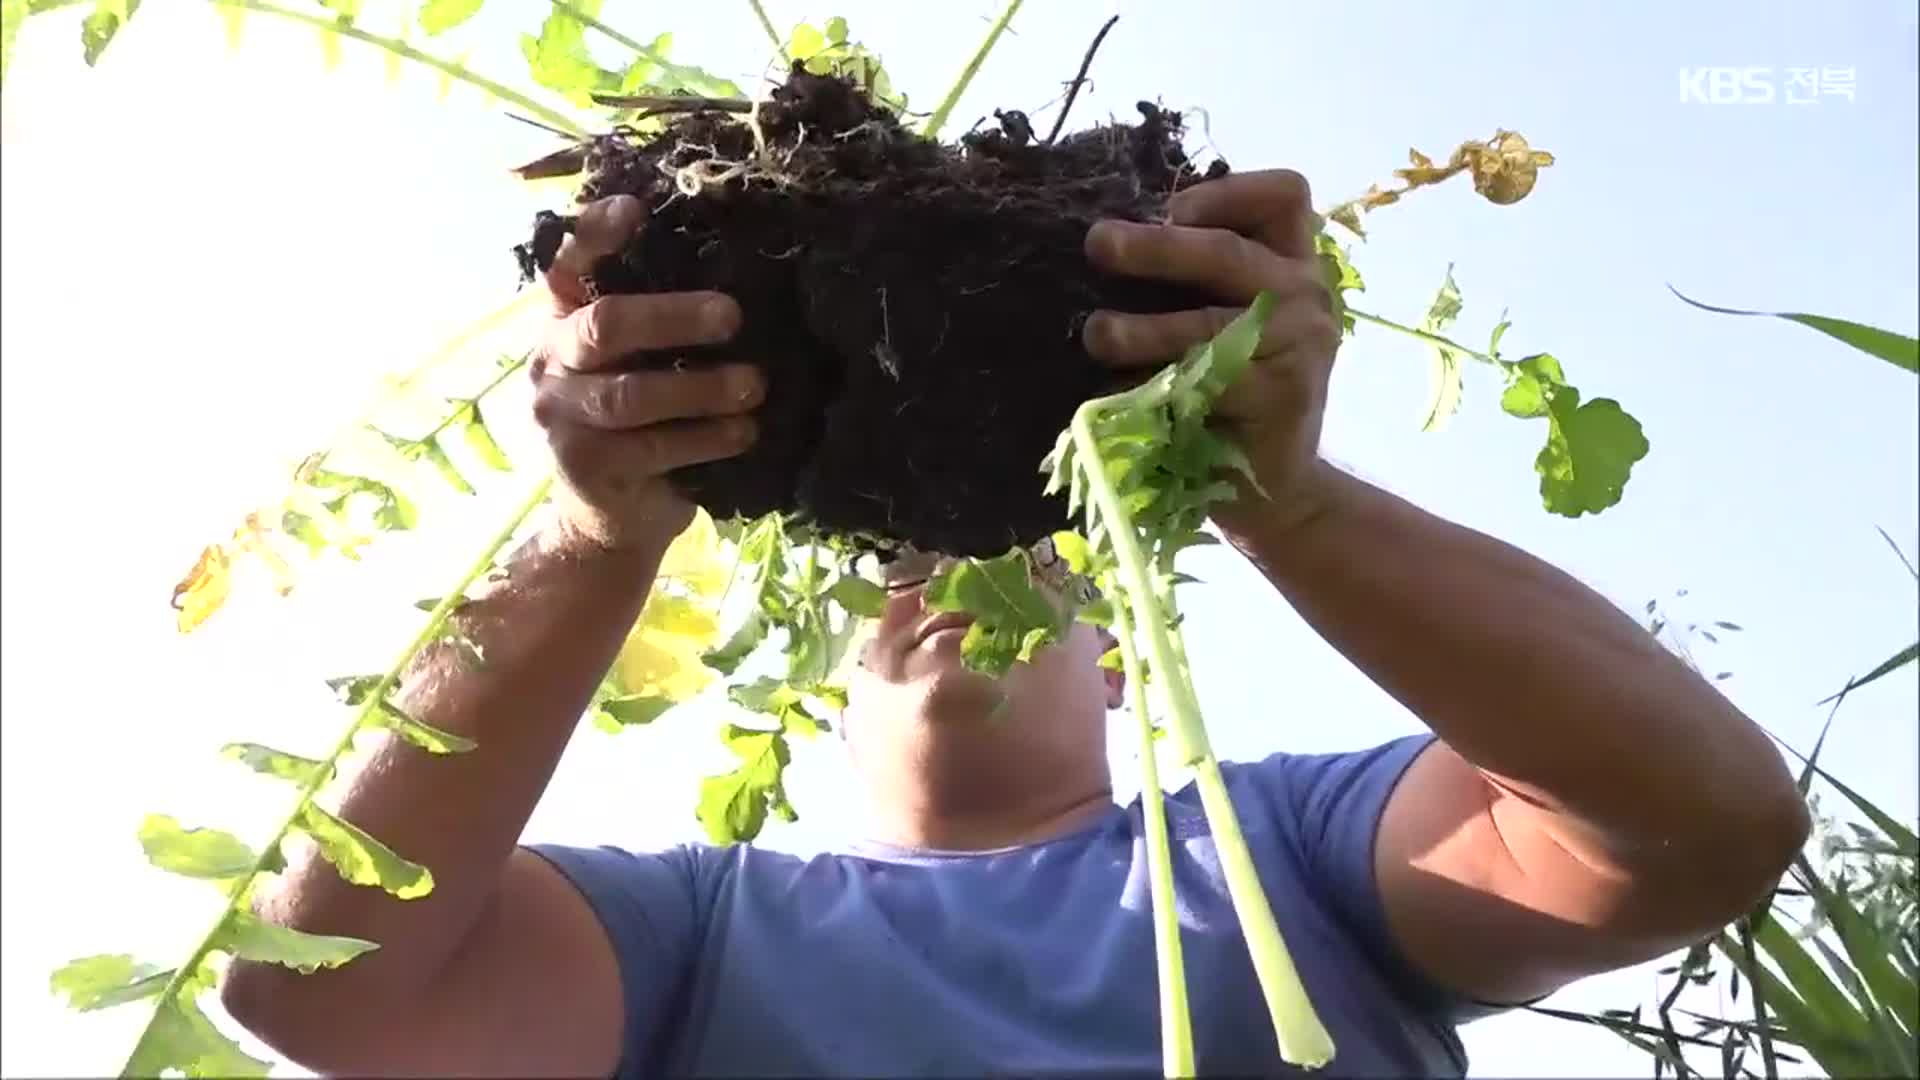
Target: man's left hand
(1235,237)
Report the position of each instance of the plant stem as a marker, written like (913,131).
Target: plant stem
(1176,1024)
(1754,990)
(405,51)
(1189,735)
(474,401)
(939,117)
(779,44)
(680,71)
(309,787)
(1429,338)
(1303,1039)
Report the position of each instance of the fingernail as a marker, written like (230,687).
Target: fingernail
(1107,237)
(719,315)
(1099,331)
(747,385)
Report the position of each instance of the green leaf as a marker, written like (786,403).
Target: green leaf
(181,1037)
(251,938)
(1339,277)
(360,858)
(558,58)
(805,41)
(1591,447)
(1212,366)
(419,733)
(634,710)
(107,19)
(436,455)
(439,16)
(12,14)
(276,763)
(1531,384)
(1589,455)
(1007,608)
(1830,1008)
(304,529)
(1887,667)
(734,805)
(1447,379)
(392,511)
(196,853)
(1897,349)
(101,982)
(353,689)
(739,645)
(1896,993)
(1803,1026)
(480,440)
(859,596)
(837,30)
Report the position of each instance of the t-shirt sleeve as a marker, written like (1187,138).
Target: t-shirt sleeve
(1334,803)
(648,903)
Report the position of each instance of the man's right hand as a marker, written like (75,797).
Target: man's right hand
(616,434)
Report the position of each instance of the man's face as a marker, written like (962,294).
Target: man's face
(910,663)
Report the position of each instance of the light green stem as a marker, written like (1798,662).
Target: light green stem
(1424,335)
(779,44)
(1176,1024)
(309,787)
(1302,1038)
(405,51)
(939,117)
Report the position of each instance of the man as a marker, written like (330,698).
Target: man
(1585,801)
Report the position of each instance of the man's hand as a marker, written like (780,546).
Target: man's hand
(1237,236)
(616,434)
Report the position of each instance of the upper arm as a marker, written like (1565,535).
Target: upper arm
(1484,896)
(565,973)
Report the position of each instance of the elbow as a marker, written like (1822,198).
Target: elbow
(259,998)
(1755,846)
(297,1019)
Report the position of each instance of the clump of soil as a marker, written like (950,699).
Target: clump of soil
(916,307)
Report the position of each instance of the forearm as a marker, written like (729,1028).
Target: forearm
(1535,679)
(548,628)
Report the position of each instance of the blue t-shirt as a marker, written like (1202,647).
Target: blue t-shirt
(1035,960)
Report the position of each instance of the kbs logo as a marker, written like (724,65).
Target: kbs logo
(1727,86)
(1761,86)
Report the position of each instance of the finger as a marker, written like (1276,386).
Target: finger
(1217,260)
(1128,339)
(1274,207)
(638,399)
(603,228)
(1295,361)
(614,327)
(622,461)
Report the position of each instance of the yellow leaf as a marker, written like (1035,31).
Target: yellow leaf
(203,590)
(1505,170)
(661,656)
(254,538)
(694,559)
(1377,196)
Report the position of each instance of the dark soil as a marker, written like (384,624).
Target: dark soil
(916,307)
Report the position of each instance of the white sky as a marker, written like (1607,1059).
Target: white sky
(209,258)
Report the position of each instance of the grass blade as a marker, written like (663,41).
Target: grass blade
(1887,667)
(1897,349)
